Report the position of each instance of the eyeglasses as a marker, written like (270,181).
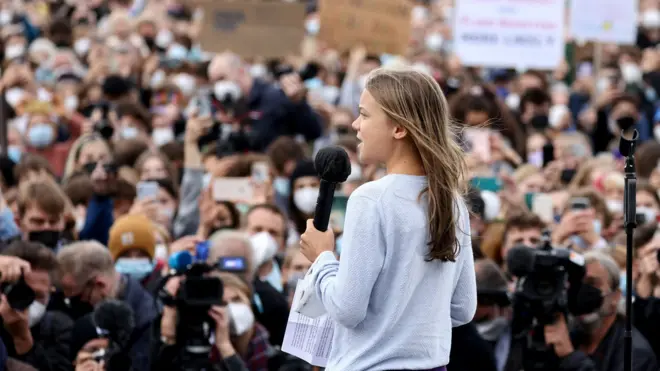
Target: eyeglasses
(109,168)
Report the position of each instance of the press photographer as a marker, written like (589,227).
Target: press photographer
(208,323)
(100,339)
(31,333)
(577,328)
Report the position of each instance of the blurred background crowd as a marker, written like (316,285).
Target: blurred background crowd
(128,136)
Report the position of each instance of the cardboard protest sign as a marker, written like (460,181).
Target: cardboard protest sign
(252,28)
(382,26)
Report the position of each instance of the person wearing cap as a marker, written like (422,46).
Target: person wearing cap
(132,245)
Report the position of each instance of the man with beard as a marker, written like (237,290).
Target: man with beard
(597,341)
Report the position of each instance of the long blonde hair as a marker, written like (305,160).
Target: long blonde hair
(415,101)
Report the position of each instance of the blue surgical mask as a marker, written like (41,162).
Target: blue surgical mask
(274,278)
(313,26)
(177,52)
(622,282)
(281,186)
(14,153)
(206,180)
(137,268)
(41,135)
(314,83)
(129,132)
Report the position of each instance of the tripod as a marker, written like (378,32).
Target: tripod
(627,149)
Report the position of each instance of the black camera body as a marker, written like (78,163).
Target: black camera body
(19,294)
(195,297)
(548,282)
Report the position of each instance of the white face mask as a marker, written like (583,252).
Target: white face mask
(14,96)
(434,42)
(258,71)
(631,73)
(241,318)
(305,199)
(129,132)
(362,81)
(177,52)
(615,206)
(36,312)
(227,90)
(264,248)
(313,26)
(164,38)
(649,214)
(512,101)
(14,51)
(557,114)
(330,94)
(162,136)
(81,46)
(80,224)
(656,132)
(5,17)
(186,83)
(356,172)
(491,330)
(71,103)
(422,67)
(157,79)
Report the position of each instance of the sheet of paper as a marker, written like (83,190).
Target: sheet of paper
(309,339)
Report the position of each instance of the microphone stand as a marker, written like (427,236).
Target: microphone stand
(627,149)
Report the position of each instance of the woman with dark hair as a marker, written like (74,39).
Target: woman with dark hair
(304,190)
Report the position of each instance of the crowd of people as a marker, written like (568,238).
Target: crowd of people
(128,143)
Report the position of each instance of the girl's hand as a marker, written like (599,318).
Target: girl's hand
(313,242)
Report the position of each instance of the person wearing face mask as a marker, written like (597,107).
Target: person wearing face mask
(594,341)
(488,336)
(617,114)
(86,276)
(304,190)
(41,135)
(132,245)
(284,153)
(534,109)
(36,336)
(241,343)
(40,217)
(583,222)
(135,121)
(273,109)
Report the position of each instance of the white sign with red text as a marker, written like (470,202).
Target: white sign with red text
(522,34)
(606,21)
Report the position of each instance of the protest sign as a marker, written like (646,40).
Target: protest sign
(252,28)
(520,34)
(382,26)
(607,21)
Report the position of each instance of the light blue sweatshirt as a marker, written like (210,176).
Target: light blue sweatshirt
(392,309)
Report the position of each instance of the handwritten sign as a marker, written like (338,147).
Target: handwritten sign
(521,34)
(382,26)
(251,29)
(607,21)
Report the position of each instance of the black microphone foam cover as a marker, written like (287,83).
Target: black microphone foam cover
(332,164)
(117,319)
(520,260)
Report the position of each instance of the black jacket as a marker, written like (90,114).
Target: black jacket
(609,354)
(646,318)
(271,309)
(469,351)
(52,337)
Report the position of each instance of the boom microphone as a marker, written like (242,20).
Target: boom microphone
(333,166)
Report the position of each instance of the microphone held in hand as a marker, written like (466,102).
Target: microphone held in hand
(333,166)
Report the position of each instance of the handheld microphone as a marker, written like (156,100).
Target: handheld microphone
(333,166)
(115,320)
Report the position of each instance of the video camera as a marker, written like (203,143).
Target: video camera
(549,283)
(196,294)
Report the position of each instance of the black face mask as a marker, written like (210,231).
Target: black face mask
(539,122)
(76,308)
(342,130)
(626,122)
(150,41)
(584,299)
(47,238)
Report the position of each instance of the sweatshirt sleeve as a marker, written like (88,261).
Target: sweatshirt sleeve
(345,289)
(99,219)
(464,297)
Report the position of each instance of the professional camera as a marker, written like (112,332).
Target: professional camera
(549,283)
(19,294)
(193,300)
